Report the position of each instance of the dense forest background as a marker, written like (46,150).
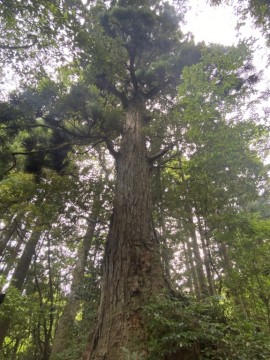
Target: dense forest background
(134,179)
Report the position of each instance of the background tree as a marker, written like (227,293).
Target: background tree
(187,174)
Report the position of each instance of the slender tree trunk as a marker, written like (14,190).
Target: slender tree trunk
(63,335)
(7,235)
(24,263)
(190,283)
(19,277)
(196,251)
(234,286)
(15,348)
(192,280)
(132,272)
(191,227)
(193,270)
(48,324)
(207,259)
(14,251)
(165,251)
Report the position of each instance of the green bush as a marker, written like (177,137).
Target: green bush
(203,328)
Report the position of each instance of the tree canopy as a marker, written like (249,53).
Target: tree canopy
(134,186)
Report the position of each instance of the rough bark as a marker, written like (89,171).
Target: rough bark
(19,277)
(132,272)
(62,337)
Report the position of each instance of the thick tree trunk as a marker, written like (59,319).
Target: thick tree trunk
(63,335)
(132,266)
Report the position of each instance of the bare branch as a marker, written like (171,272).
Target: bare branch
(160,153)
(16,47)
(105,84)
(155,90)
(11,167)
(111,148)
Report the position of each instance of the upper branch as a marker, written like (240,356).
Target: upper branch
(16,47)
(104,84)
(11,167)
(160,153)
(155,90)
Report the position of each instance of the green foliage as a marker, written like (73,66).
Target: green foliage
(248,238)
(204,328)
(122,50)
(132,355)
(135,49)
(30,27)
(21,310)
(17,190)
(77,345)
(13,304)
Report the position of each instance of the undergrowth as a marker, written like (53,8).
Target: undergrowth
(205,329)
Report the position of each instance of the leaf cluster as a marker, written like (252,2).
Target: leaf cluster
(204,328)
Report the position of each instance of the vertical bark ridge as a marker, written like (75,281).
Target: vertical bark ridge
(132,266)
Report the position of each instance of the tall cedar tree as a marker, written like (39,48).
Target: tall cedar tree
(136,55)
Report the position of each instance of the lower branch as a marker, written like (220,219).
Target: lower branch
(16,47)
(111,148)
